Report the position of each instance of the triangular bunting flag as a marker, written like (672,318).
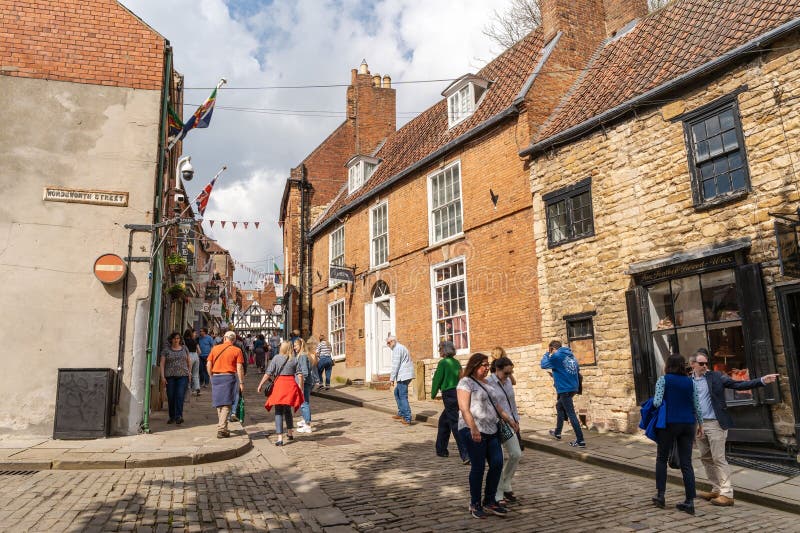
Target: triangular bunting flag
(223,222)
(234,224)
(245,224)
(257,224)
(211,222)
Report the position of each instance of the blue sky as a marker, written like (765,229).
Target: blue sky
(301,42)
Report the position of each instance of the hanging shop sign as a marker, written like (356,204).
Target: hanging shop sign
(85,196)
(110,268)
(212,292)
(216,310)
(788,252)
(341,274)
(186,242)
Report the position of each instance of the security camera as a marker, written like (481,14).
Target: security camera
(187,170)
(179,198)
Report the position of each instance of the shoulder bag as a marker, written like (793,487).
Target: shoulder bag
(502,426)
(268,386)
(519,437)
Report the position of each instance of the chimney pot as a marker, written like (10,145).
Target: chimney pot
(376,80)
(363,68)
(387,82)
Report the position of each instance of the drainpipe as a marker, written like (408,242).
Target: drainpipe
(303,239)
(155,285)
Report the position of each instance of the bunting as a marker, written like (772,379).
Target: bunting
(237,224)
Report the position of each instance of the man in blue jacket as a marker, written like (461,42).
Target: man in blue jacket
(711,387)
(205,342)
(560,360)
(401,376)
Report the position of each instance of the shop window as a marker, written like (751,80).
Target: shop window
(717,158)
(336,327)
(700,311)
(569,213)
(450,300)
(580,337)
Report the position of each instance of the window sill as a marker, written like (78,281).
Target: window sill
(335,286)
(552,245)
(378,268)
(338,358)
(722,200)
(441,243)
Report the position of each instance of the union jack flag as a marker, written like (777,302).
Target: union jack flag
(202,199)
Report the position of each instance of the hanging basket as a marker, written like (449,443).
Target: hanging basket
(177,291)
(177,268)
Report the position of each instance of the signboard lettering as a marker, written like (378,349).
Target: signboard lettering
(689,267)
(341,274)
(788,252)
(84,196)
(212,292)
(186,242)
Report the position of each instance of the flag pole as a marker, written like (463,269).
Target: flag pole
(218,174)
(171,145)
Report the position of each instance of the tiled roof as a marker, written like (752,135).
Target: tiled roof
(428,132)
(661,47)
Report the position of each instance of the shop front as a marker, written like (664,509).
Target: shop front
(714,299)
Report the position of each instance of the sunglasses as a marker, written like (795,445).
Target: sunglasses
(702,363)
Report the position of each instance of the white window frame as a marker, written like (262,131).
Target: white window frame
(373,237)
(359,170)
(434,286)
(337,346)
(431,228)
(337,260)
(461,105)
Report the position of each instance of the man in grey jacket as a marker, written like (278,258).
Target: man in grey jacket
(401,376)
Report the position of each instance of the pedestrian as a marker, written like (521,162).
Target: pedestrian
(445,379)
(175,371)
(479,417)
(239,343)
(324,362)
(560,360)
(307,367)
(502,373)
(401,375)
(497,353)
(189,340)
(275,344)
(678,392)
(286,394)
(294,336)
(205,342)
(259,347)
(711,387)
(248,344)
(226,368)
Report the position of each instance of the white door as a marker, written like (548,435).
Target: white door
(383,327)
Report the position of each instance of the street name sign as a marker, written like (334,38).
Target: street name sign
(85,196)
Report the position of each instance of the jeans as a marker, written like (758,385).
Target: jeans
(305,408)
(401,397)
(325,365)
(205,379)
(448,423)
(235,397)
(176,393)
(282,411)
(684,434)
(514,452)
(195,370)
(565,409)
(488,449)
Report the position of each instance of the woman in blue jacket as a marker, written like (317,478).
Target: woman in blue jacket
(676,390)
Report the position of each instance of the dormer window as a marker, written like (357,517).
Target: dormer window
(359,169)
(463,97)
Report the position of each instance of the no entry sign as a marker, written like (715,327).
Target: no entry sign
(110,268)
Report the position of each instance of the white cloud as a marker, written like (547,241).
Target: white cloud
(285,42)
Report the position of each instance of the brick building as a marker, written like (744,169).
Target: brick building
(84,87)
(315,182)
(680,138)
(440,233)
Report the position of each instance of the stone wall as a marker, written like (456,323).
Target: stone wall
(643,209)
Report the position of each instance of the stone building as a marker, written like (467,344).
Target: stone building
(656,186)
(315,182)
(84,87)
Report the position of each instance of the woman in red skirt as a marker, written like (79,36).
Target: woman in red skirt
(285,393)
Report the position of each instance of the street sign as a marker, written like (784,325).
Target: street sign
(110,268)
(341,274)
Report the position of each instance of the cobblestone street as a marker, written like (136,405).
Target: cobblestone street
(359,470)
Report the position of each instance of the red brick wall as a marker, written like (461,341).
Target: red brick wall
(621,12)
(82,41)
(502,287)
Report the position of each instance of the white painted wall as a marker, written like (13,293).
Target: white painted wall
(53,311)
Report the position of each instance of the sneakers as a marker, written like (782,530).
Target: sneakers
(578,444)
(304,429)
(509,497)
(476,512)
(301,423)
(495,508)
(234,418)
(554,435)
(223,434)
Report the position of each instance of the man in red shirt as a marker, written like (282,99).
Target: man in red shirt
(225,362)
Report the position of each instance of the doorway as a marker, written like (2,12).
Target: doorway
(788,299)
(379,317)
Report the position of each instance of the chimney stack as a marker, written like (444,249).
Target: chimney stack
(621,12)
(371,106)
(590,20)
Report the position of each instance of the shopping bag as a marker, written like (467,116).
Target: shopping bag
(240,410)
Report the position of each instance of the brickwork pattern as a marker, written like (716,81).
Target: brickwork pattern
(643,209)
(82,41)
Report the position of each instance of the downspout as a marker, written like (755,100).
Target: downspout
(155,285)
(303,239)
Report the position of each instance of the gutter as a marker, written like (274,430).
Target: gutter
(485,125)
(642,100)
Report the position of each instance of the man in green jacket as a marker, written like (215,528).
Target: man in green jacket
(446,379)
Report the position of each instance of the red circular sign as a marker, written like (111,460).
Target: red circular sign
(110,268)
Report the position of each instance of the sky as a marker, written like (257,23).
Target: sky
(266,43)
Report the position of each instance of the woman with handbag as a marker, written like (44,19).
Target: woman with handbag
(175,365)
(482,423)
(502,379)
(282,390)
(306,366)
(678,393)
